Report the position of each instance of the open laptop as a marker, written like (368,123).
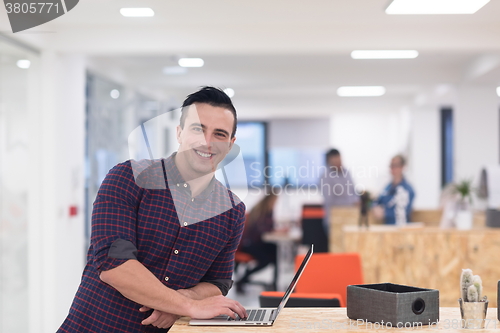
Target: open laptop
(260,316)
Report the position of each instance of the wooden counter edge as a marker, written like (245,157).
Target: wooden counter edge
(445,313)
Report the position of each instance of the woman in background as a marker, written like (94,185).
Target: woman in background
(395,203)
(259,221)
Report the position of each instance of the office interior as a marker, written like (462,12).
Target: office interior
(72,90)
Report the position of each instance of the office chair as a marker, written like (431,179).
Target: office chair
(313,231)
(326,277)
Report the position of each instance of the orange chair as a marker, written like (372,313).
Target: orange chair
(327,275)
(313,212)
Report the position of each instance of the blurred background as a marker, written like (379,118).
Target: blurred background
(73,89)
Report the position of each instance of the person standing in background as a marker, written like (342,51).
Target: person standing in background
(394,205)
(337,186)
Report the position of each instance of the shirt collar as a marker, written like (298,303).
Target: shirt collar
(175,179)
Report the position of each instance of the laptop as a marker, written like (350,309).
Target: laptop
(260,316)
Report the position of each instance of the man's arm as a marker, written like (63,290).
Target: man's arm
(165,320)
(135,282)
(200,291)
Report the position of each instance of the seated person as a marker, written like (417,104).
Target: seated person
(394,205)
(259,221)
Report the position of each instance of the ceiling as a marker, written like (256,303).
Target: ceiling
(282,58)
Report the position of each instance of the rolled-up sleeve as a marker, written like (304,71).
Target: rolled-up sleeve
(221,271)
(223,284)
(114,218)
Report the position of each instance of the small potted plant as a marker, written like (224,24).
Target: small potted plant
(463,217)
(473,307)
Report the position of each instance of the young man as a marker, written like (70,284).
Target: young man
(336,185)
(155,253)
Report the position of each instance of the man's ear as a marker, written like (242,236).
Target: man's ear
(178,130)
(231,143)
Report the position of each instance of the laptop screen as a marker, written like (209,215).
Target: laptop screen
(295,279)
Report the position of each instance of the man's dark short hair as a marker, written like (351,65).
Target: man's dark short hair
(331,153)
(215,97)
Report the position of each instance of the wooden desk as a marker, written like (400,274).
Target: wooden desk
(339,218)
(335,319)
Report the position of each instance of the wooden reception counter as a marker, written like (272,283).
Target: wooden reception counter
(427,257)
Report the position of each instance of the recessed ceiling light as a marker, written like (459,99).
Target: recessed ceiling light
(137,12)
(114,93)
(229,92)
(435,6)
(191,62)
(23,63)
(498,91)
(360,91)
(174,70)
(384,54)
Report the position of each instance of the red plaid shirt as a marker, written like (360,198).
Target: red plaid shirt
(179,254)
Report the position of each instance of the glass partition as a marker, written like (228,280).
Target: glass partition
(113,112)
(17,68)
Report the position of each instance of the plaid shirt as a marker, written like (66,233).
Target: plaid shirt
(146,221)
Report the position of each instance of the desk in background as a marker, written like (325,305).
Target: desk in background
(333,319)
(349,216)
(286,243)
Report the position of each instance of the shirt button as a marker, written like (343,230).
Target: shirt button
(166,278)
(178,185)
(192,199)
(185,185)
(185,224)
(176,251)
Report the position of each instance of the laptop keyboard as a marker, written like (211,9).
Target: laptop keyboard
(253,315)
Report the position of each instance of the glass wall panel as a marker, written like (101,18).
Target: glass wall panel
(113,112)
(17,67)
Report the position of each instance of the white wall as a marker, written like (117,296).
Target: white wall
(299,133)
(476,126)
(424,165)
(476,138)
(367,139)
(57,249)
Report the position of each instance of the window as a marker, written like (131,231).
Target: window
(296,167)
(446,146)
(251,137)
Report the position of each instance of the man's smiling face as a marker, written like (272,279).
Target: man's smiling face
(204,140)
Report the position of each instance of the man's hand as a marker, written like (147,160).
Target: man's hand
(158,318)
(216,305)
